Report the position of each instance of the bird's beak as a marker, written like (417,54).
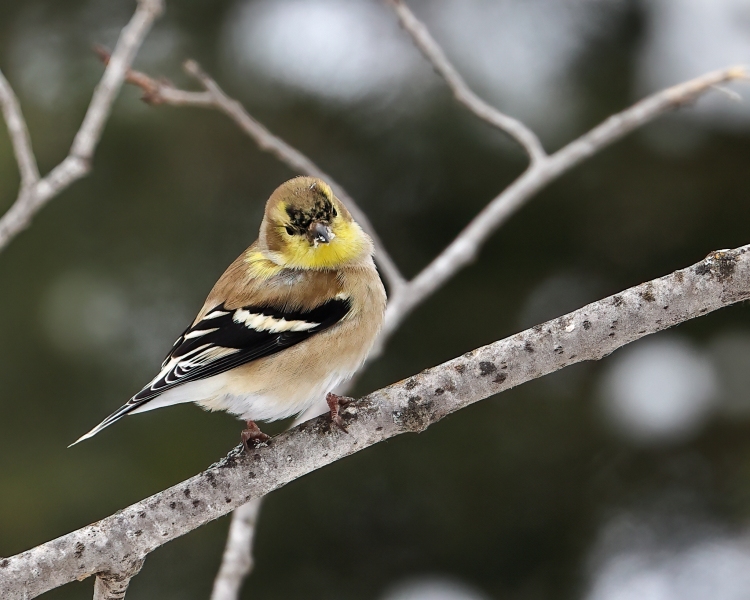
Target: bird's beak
(320,233)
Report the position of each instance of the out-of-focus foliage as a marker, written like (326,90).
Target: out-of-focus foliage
(604,481)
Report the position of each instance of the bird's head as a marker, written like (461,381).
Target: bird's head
(306,227)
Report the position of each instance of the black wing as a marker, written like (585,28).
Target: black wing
(224,339)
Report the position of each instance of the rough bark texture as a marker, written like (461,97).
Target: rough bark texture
(117,544)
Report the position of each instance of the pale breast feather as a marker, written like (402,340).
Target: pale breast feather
(226,338)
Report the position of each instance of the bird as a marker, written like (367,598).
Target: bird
(295,315)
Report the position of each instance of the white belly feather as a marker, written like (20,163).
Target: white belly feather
(218,393)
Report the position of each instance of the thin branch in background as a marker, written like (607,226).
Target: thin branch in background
(237,561)
(461,91)
(731,94)
(590,333)
(162,92)
(36,192)
(19,134)
(465,247)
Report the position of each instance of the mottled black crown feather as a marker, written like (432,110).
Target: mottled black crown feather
(320,209)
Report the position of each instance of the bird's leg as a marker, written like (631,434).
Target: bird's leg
(335,404)
(253,436)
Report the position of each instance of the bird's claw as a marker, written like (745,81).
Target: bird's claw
(335,404)
(252,437)
(339,422)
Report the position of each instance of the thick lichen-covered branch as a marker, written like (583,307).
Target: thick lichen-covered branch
(118,544)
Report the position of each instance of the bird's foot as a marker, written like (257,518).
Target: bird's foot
(252,437)
(335,404)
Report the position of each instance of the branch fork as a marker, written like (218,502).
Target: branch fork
(35,192)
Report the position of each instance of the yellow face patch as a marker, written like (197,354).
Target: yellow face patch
(307,227)
(348,244)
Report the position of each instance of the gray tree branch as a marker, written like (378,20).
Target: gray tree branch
(237,561)
(35,192)
(117,545)
(464,248)
(19,134)
(541,172)
(461,91)
(405,296)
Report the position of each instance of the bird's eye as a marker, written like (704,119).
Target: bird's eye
(290,230)
(335,214)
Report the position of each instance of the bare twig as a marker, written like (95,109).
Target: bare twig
(461,91)
(35,192)
(118,549)
(464,248)
(590,333)
(542,171)
(19,134)
(237,561)
(162,92)
(155,91)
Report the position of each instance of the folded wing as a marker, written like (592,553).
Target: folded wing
(227,338)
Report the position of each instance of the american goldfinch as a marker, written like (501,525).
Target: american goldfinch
(295,315)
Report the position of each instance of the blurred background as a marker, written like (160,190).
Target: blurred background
(620,480)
